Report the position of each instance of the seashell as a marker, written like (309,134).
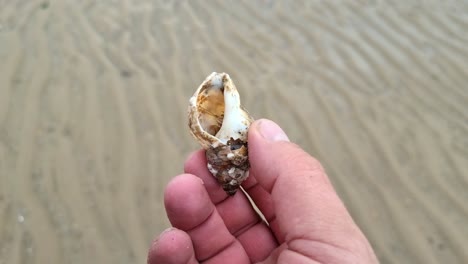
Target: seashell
(220,124)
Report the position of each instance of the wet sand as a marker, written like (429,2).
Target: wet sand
(93,97)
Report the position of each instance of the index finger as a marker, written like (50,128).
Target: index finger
(236,211)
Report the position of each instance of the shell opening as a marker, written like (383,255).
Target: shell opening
(211,107)
(219,104)
(218,112)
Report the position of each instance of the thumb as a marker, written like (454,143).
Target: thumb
(305,203)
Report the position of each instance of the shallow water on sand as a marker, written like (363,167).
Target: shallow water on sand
(93,97)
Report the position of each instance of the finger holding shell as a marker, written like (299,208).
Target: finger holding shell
(220,124)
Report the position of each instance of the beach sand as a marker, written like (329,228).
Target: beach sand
(93,99)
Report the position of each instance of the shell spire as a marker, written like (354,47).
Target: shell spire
(220,124)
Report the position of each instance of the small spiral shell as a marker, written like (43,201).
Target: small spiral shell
(220,125)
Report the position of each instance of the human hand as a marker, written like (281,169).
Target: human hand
(306,220)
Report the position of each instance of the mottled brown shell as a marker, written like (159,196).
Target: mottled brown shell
(229,164)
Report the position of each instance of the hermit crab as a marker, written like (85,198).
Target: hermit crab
(220,124)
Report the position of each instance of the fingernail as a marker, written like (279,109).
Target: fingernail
(156,241)
(168,229)
(271,131)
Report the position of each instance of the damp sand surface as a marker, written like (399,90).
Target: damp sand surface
(93,99)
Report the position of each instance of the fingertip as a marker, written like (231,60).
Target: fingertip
(271,154)
(254,131)
(172,246)
(267,130)
(182,182)
(187,202)
(196,165)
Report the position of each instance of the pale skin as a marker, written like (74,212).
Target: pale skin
(307,221)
